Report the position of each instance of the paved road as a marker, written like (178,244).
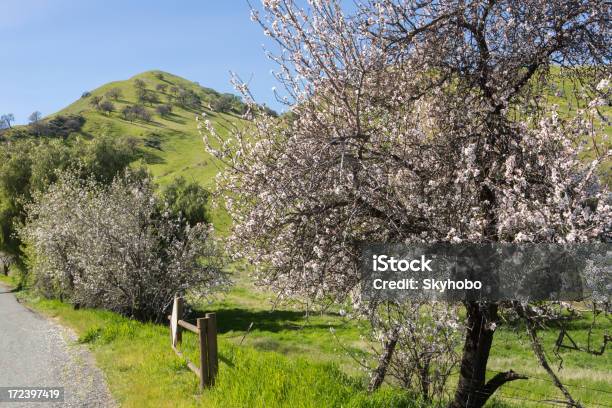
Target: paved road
(36,352)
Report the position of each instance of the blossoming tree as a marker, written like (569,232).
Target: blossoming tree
(419,122)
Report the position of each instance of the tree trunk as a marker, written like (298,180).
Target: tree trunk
(384,361)
(473,391)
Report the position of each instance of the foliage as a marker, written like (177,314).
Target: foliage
(94,101)
(114,93)
(135,112)
(108,246)
(223,103)
(107,107)
(163,110)
(187,200)
(140,84)
(6,119)
(189,99)
(35,117)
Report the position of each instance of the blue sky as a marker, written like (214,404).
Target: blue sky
(54,50)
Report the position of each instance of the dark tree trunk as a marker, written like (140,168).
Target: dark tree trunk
(473,390)
(384,361)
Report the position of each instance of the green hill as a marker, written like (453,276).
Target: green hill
(172,145)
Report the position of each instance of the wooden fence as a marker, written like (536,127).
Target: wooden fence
(206,329)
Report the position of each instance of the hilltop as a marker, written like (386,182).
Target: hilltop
(172,143)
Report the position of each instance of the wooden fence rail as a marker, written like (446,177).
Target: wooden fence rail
(206,329)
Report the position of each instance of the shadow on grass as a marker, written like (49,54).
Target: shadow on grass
(150,157)
(274,321)
(173,117)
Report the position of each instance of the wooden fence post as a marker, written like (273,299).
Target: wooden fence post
(213,362)
(204,366)
(175,328)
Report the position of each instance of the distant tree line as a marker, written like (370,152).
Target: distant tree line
(60,126)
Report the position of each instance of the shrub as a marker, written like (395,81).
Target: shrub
(146,96)
(223,103)
(187,200)
(107,107)
(140,84)
(94,101)
(134,112)
(163,110)
(108,246)
(114,93)
(188,99)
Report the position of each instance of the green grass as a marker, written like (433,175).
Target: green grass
(288,360)
(143,371)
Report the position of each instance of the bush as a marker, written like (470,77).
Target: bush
(114,93)
(187,200)
(163,110)
(223,103)
(188,99)
(62,126)
(107,107)
(139,84)
(135,112)
(108,246)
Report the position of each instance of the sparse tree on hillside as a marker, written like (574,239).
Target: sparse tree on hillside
(163,110)
(134,112)
(141,95)
(174,90)
(139,84)
(6,120)
(35,117)
(85,94)
(107,107)
(223,103)
(188,99)
(35,123)
(145,96)
(95,101)
(161,87)
(143,113)
(114,93)
(415,122)
(127,113)
(159,75)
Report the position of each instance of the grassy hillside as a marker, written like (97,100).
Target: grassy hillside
(180,150)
